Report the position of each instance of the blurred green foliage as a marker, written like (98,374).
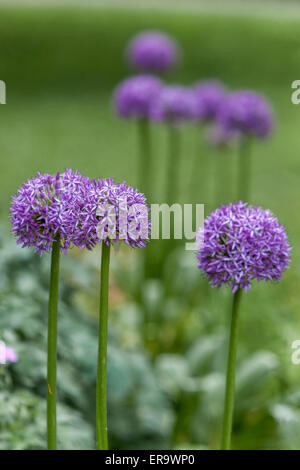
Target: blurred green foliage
(166,393)
(140,411)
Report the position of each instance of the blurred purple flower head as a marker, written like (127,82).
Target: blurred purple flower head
(7,354)
(209,96)
(134,96)
(240,243)
(219,137)
(113,212)
(46,206)
(152,51)
(11,355)
(246,112)
(174,104)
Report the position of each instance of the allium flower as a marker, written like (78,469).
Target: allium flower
(153,51)
(174,104)
(112,212)
(209,96)
(134,96)
(11,355)
(47,206)
(247,113)
(7,354)
(240,243)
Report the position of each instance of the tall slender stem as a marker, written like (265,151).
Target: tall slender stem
(52,345)
(145,166)
(244,165)
(222,177)
(101,405)
(230,381)
(173,165)
(172,179)
(145,161)
(197,166)
(218,180)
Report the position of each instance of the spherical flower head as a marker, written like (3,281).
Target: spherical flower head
(239,243)
(247,113)
(153,51)
(46,207)
(113,213)
(209,96)
(7,354)
(10,355)
(134,96)
(174,104)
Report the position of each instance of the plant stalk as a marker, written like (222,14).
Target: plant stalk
(146,179)
(173,165)
(244,169)
(101,400)
(197,166)
(52,345)
(230,381)
(145,157)
(223,177)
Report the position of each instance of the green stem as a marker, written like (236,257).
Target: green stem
(101,406)
(230,381)
(217,180)
(145,160)
(197,167)
(172,180)
(173,165)
(227,167)
(244,164)
(222,177)
(145,181)
(52,345)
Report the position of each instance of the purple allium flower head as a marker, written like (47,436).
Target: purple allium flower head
(247,113)
(7,354)
(113,212)
(152,51)
(134,96)
(11,355)
(174,104)
(46,206)
(209,96)
(239,243)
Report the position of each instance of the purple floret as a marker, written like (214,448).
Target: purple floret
(209,96)
(113,212)
(174,104)
(47,206)
(240,243)
(153,52)
(134,96)
(248,113)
